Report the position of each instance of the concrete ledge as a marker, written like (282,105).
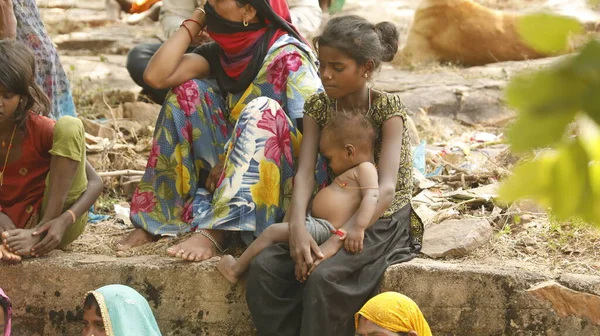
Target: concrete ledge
(193,299)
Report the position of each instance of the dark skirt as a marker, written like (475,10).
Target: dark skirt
(334,292)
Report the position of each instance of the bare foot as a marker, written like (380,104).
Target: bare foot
(137,237)
(20,241)
(228,267)
(7,256)
(195,248)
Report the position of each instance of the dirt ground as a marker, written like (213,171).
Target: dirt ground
(525,238)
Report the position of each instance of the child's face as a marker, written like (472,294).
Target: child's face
(340,74)
(339,157)
(92,323)
(9,101)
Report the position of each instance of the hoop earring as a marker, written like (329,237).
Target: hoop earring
(245,23)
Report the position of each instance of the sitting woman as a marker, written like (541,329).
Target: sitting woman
(46,184)
(224,155)
(117,310)
(391,314)
(341,280)
(5,314)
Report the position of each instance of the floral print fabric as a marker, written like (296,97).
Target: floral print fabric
(50,75)
(254,132)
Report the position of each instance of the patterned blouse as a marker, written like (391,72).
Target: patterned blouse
(383,107)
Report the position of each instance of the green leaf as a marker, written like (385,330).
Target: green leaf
(547,33)
(551,91)
(569,179)
(165,192)
(531,132)
(168,135)
(163,163)
(145,187)
(196,134)
(169,111)
(530,180)
(256,91)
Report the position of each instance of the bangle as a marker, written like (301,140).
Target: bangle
(189,32)
(339,232)
(72,215)
(201,9)
(192,20)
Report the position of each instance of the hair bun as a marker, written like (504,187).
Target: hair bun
(389,37)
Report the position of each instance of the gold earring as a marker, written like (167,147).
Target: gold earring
(245,23)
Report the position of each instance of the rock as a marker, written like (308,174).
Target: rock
(102,74)
(144,113)
(474,96)
(98,130)
(456,237)
(567,302)
(113,39)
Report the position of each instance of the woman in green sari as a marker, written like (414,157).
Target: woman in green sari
(118,310)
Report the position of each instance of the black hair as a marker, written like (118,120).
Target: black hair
(90,302)
(18,76)
(361,40)
(351,127)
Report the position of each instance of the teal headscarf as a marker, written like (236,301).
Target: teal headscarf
(125,312)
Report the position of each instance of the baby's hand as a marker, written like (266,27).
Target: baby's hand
(354,240)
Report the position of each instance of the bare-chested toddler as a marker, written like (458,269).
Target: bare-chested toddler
(348,143)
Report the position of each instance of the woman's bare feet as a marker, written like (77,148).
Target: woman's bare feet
(228,267)
(197,247)
(137,237)
(20,241)
(7,256)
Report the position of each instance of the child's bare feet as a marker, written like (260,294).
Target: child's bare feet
(20,241)
(227,267)
(7,256)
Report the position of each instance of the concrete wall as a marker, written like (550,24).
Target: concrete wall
(193,299)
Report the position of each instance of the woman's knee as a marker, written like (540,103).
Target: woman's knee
(258,106)
(68,126)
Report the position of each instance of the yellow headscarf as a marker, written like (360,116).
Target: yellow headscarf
(394,312)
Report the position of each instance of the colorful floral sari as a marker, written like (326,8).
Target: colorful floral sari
(255,132)
(50,74)
(125,312)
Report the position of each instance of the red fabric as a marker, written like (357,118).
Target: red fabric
(239,43)
(25,178)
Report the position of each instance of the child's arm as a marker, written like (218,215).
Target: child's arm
(57,227)
(367,179)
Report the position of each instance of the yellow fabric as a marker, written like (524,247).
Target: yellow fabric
(394,312)
(69,142)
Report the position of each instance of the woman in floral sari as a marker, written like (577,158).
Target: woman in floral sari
(236,128)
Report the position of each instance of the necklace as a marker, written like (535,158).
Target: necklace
(7,154)
(368,111)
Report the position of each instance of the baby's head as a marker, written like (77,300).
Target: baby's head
(348,140)
(92,317)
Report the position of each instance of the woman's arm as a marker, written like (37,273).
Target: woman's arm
(302,245)
(389,163)
(170,66)
(8,21)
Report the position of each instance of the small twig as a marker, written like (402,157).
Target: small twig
(114,118)
(121,173)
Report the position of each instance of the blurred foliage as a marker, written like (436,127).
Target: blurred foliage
(563,172)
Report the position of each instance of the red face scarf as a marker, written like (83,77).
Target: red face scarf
(242,49)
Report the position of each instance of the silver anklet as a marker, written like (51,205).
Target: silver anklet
(213,240)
